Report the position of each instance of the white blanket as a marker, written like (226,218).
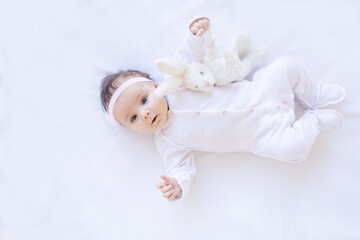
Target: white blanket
(65,173)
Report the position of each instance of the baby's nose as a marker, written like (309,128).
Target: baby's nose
(145,114)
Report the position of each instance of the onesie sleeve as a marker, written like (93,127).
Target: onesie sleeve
(194,48)
(178,162)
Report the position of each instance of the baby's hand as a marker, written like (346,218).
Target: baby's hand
(170,187)
(199,26)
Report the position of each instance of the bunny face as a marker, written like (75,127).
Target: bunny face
(198,77)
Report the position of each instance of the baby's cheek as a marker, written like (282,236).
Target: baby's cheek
(159,104)
(144,128)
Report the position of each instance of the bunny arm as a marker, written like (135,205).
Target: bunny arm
(168,85)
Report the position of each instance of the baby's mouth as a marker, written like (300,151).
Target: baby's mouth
(154,119)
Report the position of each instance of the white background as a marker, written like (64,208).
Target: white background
(66,174)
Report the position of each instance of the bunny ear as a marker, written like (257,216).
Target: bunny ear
(169,85)
(171,66)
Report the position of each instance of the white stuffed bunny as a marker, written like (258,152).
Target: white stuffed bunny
(236,64)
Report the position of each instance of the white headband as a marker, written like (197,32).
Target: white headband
(118,91)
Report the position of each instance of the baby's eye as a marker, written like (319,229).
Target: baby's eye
(144,100)
(133,118)
(202,73)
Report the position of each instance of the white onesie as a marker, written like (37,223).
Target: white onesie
(249,116)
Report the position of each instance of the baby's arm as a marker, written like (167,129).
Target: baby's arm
(196,43)
(179,168)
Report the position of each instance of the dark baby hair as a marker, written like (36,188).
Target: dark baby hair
(111,82)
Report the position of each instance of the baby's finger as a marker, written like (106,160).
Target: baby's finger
(201,19)
(165,178)
(166,189)
(200,33)
(160,185)
(194,30)
(171,197)
(205,24)
(168,194)
(198,25)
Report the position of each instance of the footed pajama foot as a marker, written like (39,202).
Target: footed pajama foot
(326,94)
(327,119)
(329,94)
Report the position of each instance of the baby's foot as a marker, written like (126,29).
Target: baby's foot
(329,94)
(328,119)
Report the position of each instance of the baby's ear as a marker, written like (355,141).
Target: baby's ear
(167,86)
(171,66)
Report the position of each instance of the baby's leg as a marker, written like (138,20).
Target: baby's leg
(292,142)
(309,94)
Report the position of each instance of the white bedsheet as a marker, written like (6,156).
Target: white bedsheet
(66,174)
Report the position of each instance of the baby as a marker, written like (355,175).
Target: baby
(249,116)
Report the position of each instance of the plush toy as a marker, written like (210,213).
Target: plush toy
(236,64)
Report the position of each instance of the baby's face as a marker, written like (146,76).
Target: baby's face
(138,109)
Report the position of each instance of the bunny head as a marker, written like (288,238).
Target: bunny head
(199,77)
(195,76)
